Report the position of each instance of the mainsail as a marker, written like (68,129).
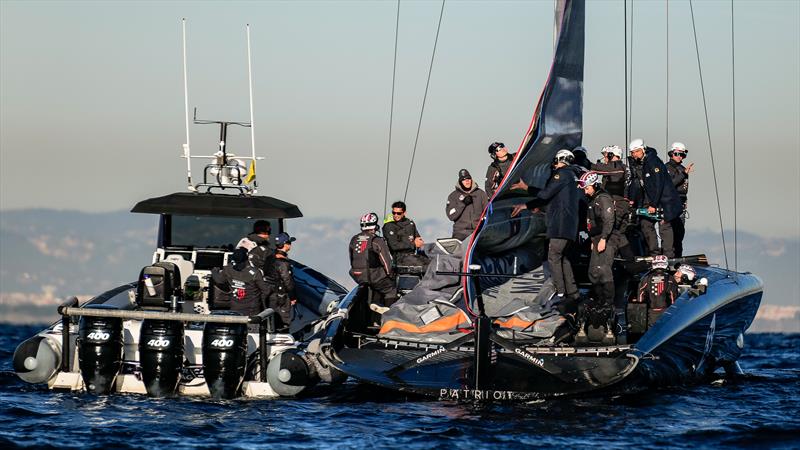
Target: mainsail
(505,245)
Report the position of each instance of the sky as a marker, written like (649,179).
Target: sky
(92,108)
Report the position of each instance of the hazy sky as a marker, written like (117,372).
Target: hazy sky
(91,98)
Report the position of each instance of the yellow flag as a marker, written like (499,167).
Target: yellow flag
(251,172)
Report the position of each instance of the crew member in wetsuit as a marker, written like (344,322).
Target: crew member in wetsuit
(248,289)
(371,263)
(403,238)
(657,194)
(605,240)
(680,179)
(280,279)
(465,205)
(258,244)
(501,161)
(563,198)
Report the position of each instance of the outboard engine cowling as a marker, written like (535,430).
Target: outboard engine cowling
(99,351)
(224,356)
(161,356)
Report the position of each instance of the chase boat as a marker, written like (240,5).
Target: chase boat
(483,324)
(170,332)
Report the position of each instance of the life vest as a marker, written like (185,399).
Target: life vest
(363,257)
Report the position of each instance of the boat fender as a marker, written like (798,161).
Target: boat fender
(37,359)
(289,373)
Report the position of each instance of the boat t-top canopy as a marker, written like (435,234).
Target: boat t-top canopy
(219,205)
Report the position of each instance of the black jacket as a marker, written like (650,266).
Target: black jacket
(615,176)
(600,216)
(679,177)
(259,250)
(495,173)
(658,188)
(248,289)
(563,199)
(400,235)
(465,217)
(370,258)
(280,277)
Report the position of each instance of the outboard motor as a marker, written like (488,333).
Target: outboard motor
(99,350)
(288,373)
(161,356)
(224,356)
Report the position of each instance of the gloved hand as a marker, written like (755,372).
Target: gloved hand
(467,200)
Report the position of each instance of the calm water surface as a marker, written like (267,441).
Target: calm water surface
(761,411)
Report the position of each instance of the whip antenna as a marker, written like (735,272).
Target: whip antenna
(252,123)
(186,151)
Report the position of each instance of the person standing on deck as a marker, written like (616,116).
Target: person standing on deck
(371,262)
(680,179)
(280,279)
(249,291)
(657,194)
(501,161)
(563,201)
(258,244)
(465,205)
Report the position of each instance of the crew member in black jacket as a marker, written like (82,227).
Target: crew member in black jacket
(403,238)
(248,289)
(371,262)
(657,192)
(258,244)
(501,161)
(563,198)
(281,281)
(680,179)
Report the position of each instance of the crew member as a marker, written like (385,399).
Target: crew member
(614,172)
(581,158)
(658,195)
(657,291)
(501,161)
(465,205)
(280,279)
(403,238)
(605,240)
(563,198)
(248,289)
(371,263)
(258,244)
(680,179)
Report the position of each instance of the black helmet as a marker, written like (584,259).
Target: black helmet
(495,146)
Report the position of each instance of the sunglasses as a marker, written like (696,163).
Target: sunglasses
(682,155)
(398,213)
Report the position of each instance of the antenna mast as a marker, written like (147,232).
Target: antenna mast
(187,153)
(252,123)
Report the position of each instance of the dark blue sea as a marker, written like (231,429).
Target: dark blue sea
(762,410)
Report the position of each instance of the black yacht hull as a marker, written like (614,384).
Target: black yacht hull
(693,338)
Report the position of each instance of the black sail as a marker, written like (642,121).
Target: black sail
(502,244)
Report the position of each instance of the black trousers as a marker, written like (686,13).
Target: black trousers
(600,274)
(560,268)
(387,288)
(679,231)
(665,231)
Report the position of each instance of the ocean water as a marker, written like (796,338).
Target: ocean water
(763,410)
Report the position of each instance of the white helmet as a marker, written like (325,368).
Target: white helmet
(564,156)
(680,146)
(660,262)
(636,143)
(687,272)
(369,221)
(588,179)
(613,149)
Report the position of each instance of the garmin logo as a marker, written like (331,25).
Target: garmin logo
(534,360)
(424,358)
(158,343)
(98,336)
(222,343)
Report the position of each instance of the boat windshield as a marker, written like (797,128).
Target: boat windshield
(210,232)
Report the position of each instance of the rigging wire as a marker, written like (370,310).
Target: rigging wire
(708,132)
(630,97)
(733,109)
(625,46)
(666,131)
(424,98)
(391,111)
